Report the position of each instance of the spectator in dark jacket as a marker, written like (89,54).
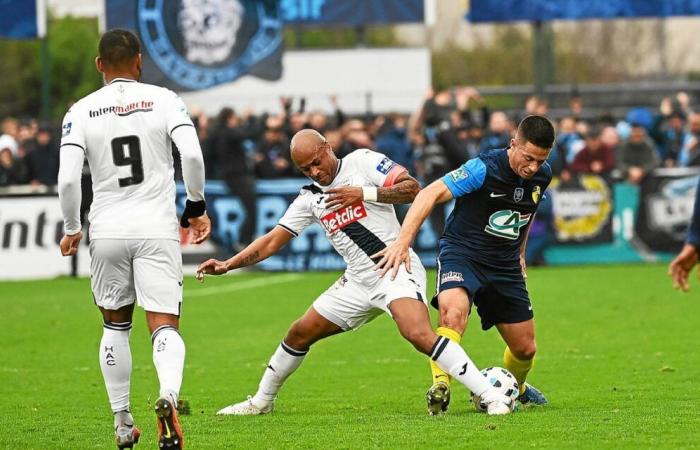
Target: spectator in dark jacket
(42,159)
(637,155)
(12,170)
(272,158)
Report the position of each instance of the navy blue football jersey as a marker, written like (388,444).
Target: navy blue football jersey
(493,209)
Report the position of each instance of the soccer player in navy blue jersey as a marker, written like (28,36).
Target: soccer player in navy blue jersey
(481,252)
(680,267)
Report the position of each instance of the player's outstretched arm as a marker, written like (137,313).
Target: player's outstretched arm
(680,267)
(260,249)
(397,253)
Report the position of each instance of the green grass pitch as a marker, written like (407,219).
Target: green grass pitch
(618,359)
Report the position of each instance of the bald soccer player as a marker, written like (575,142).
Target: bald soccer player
(351,198)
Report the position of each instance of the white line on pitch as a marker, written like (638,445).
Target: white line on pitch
(258,282)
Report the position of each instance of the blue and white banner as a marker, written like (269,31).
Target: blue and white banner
(195,44)
(543,10)
(351,12)
(22,19)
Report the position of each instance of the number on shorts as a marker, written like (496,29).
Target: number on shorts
(126,151)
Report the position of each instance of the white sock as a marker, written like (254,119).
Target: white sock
(452,358)
(283,363)
(115,362)
(169,359)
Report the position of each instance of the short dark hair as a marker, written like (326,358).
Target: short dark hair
(537,130)
(118,47)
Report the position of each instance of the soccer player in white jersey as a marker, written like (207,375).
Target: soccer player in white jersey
(352,200)
(126,130)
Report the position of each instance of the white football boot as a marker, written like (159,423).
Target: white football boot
(245,408)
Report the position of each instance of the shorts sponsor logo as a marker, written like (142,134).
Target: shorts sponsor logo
(507,224)
(338,220)
(459,174)
(451,277)
(385,166)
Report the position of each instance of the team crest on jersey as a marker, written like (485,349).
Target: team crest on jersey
(385,166)
(507,224)
(199,44)
(518,194)
(66,128)
(536,194)
(459,174)
(337,220)
(451,277)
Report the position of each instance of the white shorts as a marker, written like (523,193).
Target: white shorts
(350,304)
(145,270)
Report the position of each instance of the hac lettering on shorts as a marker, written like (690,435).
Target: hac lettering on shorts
(338,220)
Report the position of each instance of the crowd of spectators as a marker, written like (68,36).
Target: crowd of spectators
(450,127)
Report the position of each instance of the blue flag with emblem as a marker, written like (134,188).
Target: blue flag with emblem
(192,45)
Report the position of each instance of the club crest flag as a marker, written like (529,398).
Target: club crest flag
(196,44)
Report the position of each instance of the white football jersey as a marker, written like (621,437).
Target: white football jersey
(361,229)
(124,129)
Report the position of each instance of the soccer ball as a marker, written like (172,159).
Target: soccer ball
(502,380)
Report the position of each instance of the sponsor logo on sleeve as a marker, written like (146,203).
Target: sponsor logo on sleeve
(66,129)
(459,174)
(451,277)
(385,166)
(337,220)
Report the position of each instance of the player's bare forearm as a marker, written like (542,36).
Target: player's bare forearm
(425,201)
(404,190)
(260,249)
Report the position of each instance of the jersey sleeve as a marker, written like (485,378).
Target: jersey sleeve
(298,216)
(176,114)
(469,177)
(379,170)
(694,228)
(72,130)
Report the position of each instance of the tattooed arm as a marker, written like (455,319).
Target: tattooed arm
(404,190)
(260,249)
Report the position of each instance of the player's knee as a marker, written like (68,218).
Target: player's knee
(453,317)
(524,350)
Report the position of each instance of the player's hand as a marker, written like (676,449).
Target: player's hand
(199,229)
(392,257)
(681,266)
(342,197)
(211,267)
(69,243)
(523,266)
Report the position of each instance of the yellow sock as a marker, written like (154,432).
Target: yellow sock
(518,367)
(438,373)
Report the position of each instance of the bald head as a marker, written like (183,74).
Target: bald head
(313,155)
(305,143)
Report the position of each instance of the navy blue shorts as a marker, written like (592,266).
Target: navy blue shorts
(500,296)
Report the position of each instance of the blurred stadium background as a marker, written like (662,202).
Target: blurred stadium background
(430,83)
